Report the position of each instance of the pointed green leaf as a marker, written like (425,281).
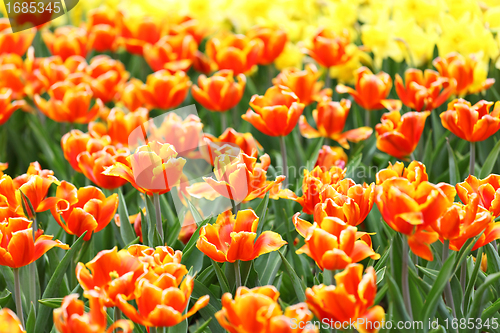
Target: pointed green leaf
(492,158)
(126,230)
(296,282)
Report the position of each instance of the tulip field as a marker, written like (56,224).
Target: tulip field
(248,166)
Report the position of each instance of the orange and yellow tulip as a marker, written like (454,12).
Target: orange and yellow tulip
(85,209)
(399,135)
(14,42)
(304,83)
(424,91)
(329,157)
(106,77)
(173,53)
(276,113)
(488,191)
(14,75)
(350,300)
(69,103)
(244,141)
(66,41)
(185,24)
(103,26)
(332,243)
(329,49)
(138,32)
(51,70)
(9,322)
(273,42)
(257,311)
(415,172)
(220,92)
(491,233)
(72,318)
(154,168)
(371,90)
(231,239)
(164,90)
(17,248)
(235,52)
(330,118)
(132,94)
(202,63)
(7,105)
(76,142)
(471,122)
(461,68)
(111,273)
(3,167)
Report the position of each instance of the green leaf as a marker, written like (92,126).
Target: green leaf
(296,282)
(353,165)
(42,323)
(221,277)
(30,322)
(261,212)
(126,230)
(5,298)
(273,265)
(452,165)
(53,303)
(472,280)
(191,244)
(145,228)
(478,301)
(493,262)
(201,329)
(490,161)
(213,306)
(397,299)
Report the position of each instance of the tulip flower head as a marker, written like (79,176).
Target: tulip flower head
(106,77)
(220,92)
(472,123)
(273,42)
(329,49)
(13,42)
(231,239)
(76,142)
(164,90)
(138,32)
(257,311)
(244,141)
(66,41)
(132,94)
(7,105)
(415,172)
(487,190)
(329,157)
(398,135)
(9,322)
(173,53)
(103,25)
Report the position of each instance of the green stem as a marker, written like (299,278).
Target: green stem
(270,74)
(463,275)
(472,160)
(17,287)
(284,159)
(404,279)
(159,225)
(237,274)
(447,290)
(236,208)
(117,316)
(223,121)
(152,330)
(412,156)
(367,118)
(32,270)
(328,279)
(234,111)
(328,79)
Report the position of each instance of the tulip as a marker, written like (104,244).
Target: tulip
(329,49)
(153,168)
(138,32)
(257,311)
(273,42)
(3,167)
(304,83)
(491,233)
(329,157)
(424,91)
(188,228)
(460,68)
(103,26)
(202,63)
(69,103)
(350,300)
(9,322)
(238,178)
(330,118)
(220,92)
(230,239)
(51,70)
(18,249)
(85,209)
(76,142)
(106,77)
(471,122)
(173,53)
(415,172)
(165,91)
(66,41)
(235,52)
(488,191)
(13,42)
(7,106)
(111,273)
(14,75)
(244,141)
(186,24)
(399,135)
(72,318)
(132,94)
(332,243)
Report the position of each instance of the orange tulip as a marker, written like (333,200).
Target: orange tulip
(51,70)
(304,83)
(119,125)
(488,191)
(273,42)
(415,172)
(471,122)
(230,239)
(188,228)
(103,26)
(332,243)
(3,166)
(371,90)
(111,273)
(186,24)
(329,157)
(202,63)
(235,52)
(7,106)
(66,41)
(14,75)
(460,68)
(76,142)
(424,91)
(276,113)
(350,300)
(165,91)
(72,318)
(9,322)
(106,77)
(491,233)
(138,32)
(85,209)
(10,206)
(462,222)
(220,92)
(69,103)
(411,208)
(330,118)
(244,141)
(153,168)
(399,135)
(329,49)
(257,311)
(173,53)
(17,43)
(17,248)
(239,178)
(132,94)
